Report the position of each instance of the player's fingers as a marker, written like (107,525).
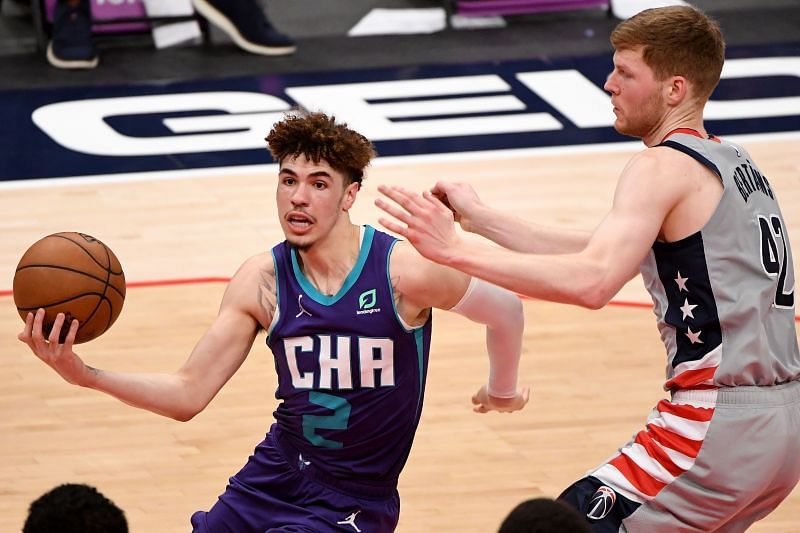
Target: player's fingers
(481,409)
(393,210)
(409,200)
(393,226)
(443,187)
(36,330)
(526,394)
(25,335)
(436,203)
(38,343)
(55,331)
(480,396)
(442,197)
(73,331)
(392,192)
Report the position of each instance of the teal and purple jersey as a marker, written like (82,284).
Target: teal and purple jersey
(351,374)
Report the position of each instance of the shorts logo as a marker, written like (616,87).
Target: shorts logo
(351,521)
(601,503)
(366,303)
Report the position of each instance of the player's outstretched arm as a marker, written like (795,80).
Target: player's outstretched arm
(420,284)
(503,228)
(647,191)
(215,358)
(501,311)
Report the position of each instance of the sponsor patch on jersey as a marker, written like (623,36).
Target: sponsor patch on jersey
(366,303)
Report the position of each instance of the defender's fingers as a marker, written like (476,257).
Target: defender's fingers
(393,226)
(393,210)
(435,202)
(442,187)
(442,197)
(409,200)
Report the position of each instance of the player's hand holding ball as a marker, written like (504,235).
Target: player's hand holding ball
(68,288)
(56,354)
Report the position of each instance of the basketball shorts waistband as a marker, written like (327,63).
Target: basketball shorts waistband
(358,488)
(770,395)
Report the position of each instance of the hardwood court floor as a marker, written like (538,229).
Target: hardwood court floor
(595,374)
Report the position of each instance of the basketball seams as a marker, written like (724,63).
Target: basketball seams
(75,271)
(88,320)
(99,295)
(89,252)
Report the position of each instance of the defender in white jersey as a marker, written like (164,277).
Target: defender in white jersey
(701,221)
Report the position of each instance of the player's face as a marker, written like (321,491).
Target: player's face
(311,199)
(636,95)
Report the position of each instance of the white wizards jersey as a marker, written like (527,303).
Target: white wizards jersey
(724,297)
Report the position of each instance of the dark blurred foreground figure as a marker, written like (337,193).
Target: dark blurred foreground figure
(74,508)
(544,515)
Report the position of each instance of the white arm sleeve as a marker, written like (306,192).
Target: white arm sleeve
(501,311)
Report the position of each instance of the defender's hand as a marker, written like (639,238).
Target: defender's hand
(461,199)
(428,222)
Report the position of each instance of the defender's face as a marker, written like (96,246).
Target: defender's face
(635,94)
(311,197)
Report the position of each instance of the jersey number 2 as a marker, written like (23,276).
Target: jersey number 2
(771,231)
(338,420)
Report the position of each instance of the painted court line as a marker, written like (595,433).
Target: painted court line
(199,281)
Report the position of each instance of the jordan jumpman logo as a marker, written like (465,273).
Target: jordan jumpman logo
(300,305)
(351,521)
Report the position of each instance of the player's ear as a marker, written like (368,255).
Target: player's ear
(677,89)
(349,197)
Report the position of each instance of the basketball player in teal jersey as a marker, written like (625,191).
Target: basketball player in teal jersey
(347,311)
(701,222)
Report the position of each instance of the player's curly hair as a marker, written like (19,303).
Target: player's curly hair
(74,508)
(319,137)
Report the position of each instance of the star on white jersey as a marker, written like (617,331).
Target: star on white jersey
(351,521)
(681,282)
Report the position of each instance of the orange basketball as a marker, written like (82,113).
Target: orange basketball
(75,274)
